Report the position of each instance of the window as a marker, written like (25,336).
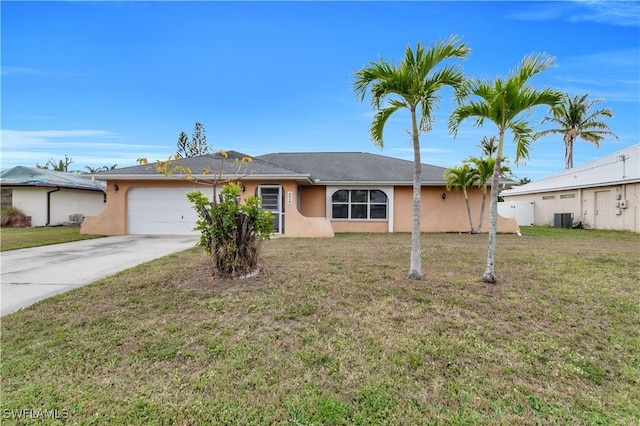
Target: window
(7,198)
(359,204)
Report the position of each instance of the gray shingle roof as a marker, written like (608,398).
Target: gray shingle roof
(323,168)
(356,167)
(33,176)
(212,162)
(607,170)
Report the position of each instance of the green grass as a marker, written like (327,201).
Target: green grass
(333,333)
(18,238)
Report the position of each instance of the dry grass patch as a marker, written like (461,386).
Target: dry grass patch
(332,332)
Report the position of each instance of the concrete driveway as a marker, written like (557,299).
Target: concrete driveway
(34,274)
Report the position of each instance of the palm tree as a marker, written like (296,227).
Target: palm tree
(488,146)
(461,178)
(503,102)
(483,168)
(413,84)
(574,120)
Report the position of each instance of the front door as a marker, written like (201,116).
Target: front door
(271,196)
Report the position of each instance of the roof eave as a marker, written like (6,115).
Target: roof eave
(572,187)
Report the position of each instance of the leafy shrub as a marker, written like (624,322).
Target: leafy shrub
(9,214)
(232,233)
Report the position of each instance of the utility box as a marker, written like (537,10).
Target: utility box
(562,220)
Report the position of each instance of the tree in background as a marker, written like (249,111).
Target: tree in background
(183,145)
(461,178)
(502,102)
(484,168)
(488,146)
(414,85)
(574,120)
(100,169)
(60,166)
(196,146)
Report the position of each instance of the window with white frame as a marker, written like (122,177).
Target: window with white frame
(359,204)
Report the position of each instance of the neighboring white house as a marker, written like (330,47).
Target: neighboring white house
(601,194)
(50,197)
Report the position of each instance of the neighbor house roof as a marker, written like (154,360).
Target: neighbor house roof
(614,169)
(313,168)
(33,176)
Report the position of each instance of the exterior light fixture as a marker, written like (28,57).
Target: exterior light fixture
(444,196)
(115,187)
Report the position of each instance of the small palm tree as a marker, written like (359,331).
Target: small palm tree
(574,120)
(483,168)
(503,102)
(413,84)
(461,178)
(488,146)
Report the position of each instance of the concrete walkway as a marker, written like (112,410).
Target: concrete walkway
(34,274)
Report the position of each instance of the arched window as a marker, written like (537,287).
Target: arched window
(359,204)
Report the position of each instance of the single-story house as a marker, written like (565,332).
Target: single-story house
(51,197)
(601,194)
(311,194)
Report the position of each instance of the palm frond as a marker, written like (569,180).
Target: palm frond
(379,121)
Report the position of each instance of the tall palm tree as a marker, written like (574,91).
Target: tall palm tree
(461,178)
(503,102)
(413,84)
(574,120)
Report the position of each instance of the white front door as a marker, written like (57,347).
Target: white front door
(271,197)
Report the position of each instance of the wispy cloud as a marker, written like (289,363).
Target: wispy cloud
(617,13)
(576,75)
(86,147)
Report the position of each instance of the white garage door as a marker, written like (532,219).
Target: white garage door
(163,210)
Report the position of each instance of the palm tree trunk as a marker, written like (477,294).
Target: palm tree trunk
(466,200)
(490,273)
(484,202)
(415,268)
(568,151)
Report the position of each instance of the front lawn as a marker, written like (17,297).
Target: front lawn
(332,332)
(18,238)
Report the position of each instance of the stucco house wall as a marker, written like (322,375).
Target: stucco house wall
(319,194)
(601,194)
(605,207)
(63,203)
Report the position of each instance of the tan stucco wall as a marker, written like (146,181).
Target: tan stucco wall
(312,201)
(597,208)
(113,219)
(448,215)
(296,224)
(63,203)
(437,215)
(360,225)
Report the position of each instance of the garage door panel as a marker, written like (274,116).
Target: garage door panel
(163,210)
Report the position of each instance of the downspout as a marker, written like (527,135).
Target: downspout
(49,205)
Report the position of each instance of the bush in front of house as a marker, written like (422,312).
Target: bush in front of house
(10,216)
(232,232)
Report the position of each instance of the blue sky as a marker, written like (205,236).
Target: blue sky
(108,82)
